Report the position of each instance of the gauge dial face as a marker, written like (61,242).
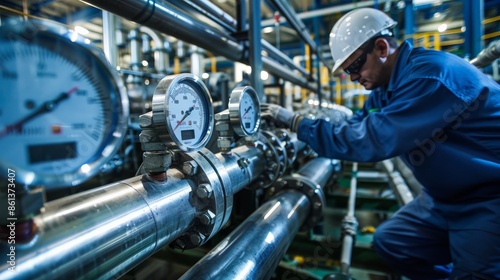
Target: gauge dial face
(244,110)
(62,113)
(185,109)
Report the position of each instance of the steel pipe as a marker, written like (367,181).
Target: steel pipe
(487,55)
(349,224)
(272,50)
(165,18)
(397,183)
(254,249)
(279,70)
(215,13)
(104,232)
(298,25)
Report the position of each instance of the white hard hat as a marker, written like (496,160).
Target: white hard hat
(354,29)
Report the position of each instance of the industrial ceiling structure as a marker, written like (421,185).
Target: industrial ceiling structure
(317,15)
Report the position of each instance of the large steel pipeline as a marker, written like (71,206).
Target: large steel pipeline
(165,18)
(210,10)
(215,13)
(254,249)
(104,232)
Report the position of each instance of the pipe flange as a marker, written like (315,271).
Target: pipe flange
(291,152)
(211,195)
(314,193)
(275,155)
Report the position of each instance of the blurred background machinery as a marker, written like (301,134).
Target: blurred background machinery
(134,146)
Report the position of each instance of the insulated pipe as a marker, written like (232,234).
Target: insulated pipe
(167,19)
(254,249)
(104,232)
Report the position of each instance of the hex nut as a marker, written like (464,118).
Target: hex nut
(204,191)
(207,218)
(190,167)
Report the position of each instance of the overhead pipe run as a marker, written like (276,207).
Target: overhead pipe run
(272,50)
(165,18)
(299,26)
(205,7)
(254,249)
(279,70)
(215,13)
(168,19)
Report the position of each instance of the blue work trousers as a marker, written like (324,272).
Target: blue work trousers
(427,239)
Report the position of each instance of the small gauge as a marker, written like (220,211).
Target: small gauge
(64,110)
(244,111)
(182,105)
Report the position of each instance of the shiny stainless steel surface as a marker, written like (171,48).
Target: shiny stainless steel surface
(165,18)
(254,249)
(243,165)
(104,232)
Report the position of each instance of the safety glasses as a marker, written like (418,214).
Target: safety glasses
(356,65)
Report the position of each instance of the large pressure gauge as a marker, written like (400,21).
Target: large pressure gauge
(182,110)
(244,111)
(63,112)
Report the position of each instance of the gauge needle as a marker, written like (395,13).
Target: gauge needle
(46,107)
(188,112)
(246,111)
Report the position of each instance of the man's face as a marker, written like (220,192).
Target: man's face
(365,68)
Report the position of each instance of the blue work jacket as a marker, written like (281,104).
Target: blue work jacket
(439,113)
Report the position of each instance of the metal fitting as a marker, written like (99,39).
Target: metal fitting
(197,238)
(156,161)
(204,191)
(190,167)
(243,162)
(146,120)
(207,218)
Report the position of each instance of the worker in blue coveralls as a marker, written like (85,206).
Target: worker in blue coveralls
(441,115)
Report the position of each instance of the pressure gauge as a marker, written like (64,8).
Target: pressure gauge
(182,110)
(244,111)
(64,111)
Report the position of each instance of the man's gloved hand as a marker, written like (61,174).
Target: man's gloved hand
(280,116)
